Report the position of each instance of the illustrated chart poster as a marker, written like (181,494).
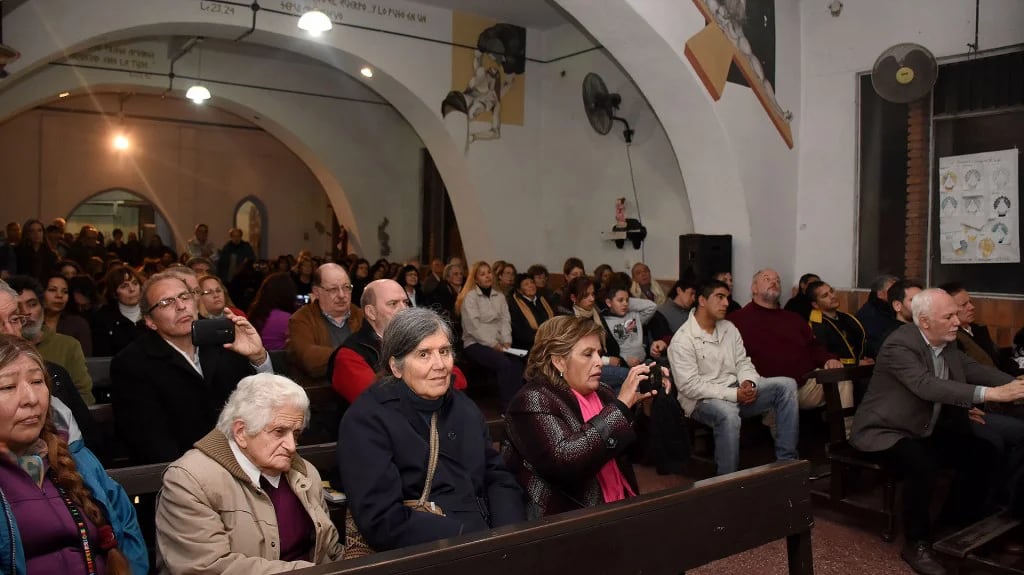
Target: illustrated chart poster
(978,213)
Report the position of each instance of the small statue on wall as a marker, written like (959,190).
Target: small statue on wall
(620,214)
(384,238)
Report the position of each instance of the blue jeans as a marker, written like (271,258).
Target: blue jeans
(724,417)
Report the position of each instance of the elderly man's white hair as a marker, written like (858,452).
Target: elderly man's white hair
(4,288)
(256,399)
(921,305)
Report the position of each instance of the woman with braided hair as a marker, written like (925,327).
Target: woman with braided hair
(61,512)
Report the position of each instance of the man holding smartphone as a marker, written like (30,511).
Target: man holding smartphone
(168,392)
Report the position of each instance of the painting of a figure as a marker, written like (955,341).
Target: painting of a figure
(488,88)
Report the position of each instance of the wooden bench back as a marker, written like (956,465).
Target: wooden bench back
(835,413)
(667,533)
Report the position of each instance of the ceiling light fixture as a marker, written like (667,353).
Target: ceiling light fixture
(121,142)
(197,92)
(63,94)
(315,22)
(366,71)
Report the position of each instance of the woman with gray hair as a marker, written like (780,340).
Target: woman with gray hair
(243,501)
(386,438)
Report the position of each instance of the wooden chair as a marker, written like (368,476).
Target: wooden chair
(843,457)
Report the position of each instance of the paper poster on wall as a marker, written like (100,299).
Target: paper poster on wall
(978,216)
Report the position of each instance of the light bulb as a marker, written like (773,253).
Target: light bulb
(366,71)
(198,94)
(121,142)
(315,22)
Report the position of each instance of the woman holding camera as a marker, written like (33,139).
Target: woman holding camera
(568,434)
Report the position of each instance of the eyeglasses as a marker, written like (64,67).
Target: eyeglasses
(333,291)
(169,301)
(217,291)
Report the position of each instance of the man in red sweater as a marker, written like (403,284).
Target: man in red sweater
(357,360)
(781,343)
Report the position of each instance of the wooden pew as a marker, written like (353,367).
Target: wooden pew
(844,458)
(666,533)
(146,479)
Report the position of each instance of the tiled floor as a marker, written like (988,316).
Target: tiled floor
(839,547)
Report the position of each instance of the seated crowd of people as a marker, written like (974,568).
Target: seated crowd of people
(591,378)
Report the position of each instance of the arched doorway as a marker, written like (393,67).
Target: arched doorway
(251,218)
(124,210)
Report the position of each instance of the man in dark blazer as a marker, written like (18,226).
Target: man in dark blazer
(916,415)
(167,393)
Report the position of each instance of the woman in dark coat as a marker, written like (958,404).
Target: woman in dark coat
(34,256)
(383,445)
(568,434)
(114,325)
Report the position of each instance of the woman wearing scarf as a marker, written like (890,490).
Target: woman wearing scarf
(386,438)
(528,310)
(568,434)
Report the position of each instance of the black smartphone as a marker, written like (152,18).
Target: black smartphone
(301,299)
(213,331)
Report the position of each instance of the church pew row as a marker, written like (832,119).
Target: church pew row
(666,532)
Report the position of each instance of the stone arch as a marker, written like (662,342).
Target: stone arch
(261,248)
(142,195)
(81,27)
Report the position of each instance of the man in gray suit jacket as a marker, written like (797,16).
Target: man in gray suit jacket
(915,416)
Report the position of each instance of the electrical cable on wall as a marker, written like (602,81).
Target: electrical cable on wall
(636,199)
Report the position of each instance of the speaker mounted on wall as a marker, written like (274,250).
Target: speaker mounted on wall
(701,256)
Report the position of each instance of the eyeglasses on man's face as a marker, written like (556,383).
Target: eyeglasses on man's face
(169,301)
(335,290)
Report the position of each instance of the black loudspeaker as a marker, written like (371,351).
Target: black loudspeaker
(701,256)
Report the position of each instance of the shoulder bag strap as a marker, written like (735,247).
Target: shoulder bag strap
(432,463)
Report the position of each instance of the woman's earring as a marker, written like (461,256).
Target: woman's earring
(561,374)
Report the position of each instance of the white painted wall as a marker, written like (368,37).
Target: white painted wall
(584,172)
(834,52)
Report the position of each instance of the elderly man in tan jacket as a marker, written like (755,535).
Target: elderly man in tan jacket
(242,501)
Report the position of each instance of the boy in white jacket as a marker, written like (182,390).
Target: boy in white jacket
(718,385)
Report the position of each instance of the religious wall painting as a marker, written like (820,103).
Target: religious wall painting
(488,66)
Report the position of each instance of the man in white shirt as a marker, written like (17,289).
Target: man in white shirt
(718,385)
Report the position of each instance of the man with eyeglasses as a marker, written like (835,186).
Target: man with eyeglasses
(354,365)
(167,393)
(319,327)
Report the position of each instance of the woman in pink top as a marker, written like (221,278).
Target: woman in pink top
(274,304)
(568,434)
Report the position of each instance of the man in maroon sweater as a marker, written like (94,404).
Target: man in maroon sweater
(781,343)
